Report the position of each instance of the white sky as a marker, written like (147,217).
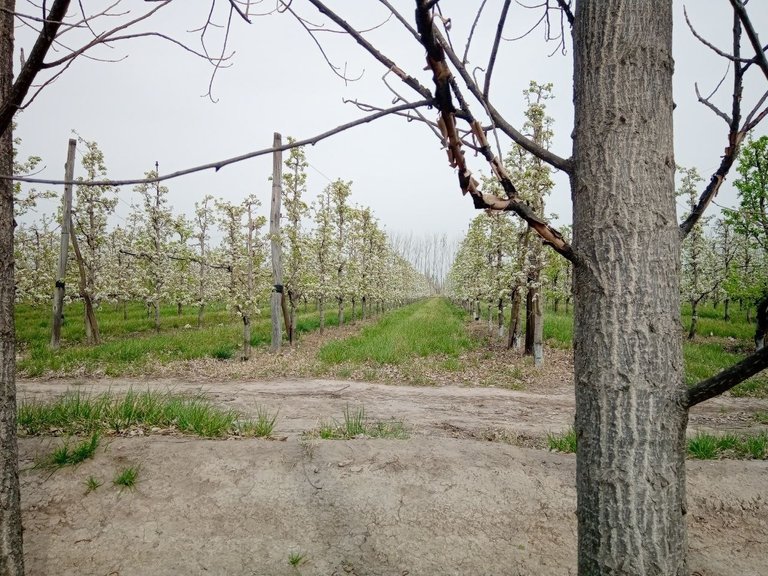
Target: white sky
(148,107)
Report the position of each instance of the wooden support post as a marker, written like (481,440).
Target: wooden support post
(58,290)
(274,233)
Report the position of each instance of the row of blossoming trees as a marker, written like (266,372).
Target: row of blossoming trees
(501,264)
(335,254)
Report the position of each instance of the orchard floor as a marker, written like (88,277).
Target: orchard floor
(471,492)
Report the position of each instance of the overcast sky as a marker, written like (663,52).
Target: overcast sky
(148,106)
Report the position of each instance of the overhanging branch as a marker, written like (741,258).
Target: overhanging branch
(728,378)
(221,163)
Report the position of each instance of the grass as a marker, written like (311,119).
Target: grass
(704,357)
(297,558)
(563,442)
(131,346)
(429,327)
(355,424)
(66,456)
(76,412)
(702,446)
(127,477)
(91,484)
(705,446)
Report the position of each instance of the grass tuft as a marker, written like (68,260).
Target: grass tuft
(91,484)
(127,477)
(66,456)
(297,558)
(563,442)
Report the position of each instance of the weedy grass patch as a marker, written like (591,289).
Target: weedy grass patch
(355,424)
(76,412)
(705,446)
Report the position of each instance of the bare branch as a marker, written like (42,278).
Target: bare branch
(472,31)
(741,11)
(444,82)
(565,6)
(708,44)
(390,64)
(727,379)
(237,9)
(519,138)
(234,160)
(495,50)
(735,137)
(711,106)
(402,20)
(32,66)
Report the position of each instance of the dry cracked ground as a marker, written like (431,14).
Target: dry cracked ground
(471,492)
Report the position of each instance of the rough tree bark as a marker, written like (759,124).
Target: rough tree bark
(630,416)
(11,556)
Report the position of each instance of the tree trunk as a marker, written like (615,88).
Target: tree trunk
(321,307)
(694,319)
(762,324)
(500,318)
(179,308)
(341,311)
(515,328)
(530,319)
(630,423)
(11,554)
(538,333)
(156,305)
(246,338)
(726,314)
(200,311)
(91,324)
(362,307)
(353,310)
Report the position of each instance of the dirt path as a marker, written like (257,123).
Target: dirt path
(447,411)
(444,502)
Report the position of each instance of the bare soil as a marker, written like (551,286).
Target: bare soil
(471,492)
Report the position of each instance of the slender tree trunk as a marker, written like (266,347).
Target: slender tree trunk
(762,324)
(694,319)
(530,319)
(726,313)
(538,334)
(515,324)
(11,553)
(500,318)
(630,420)
(125,310)
(353,310)
(200,311)
(91,324)
(362,307)
(321,307)
(156,305)
(246,338)
(341,311)
(179,308)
